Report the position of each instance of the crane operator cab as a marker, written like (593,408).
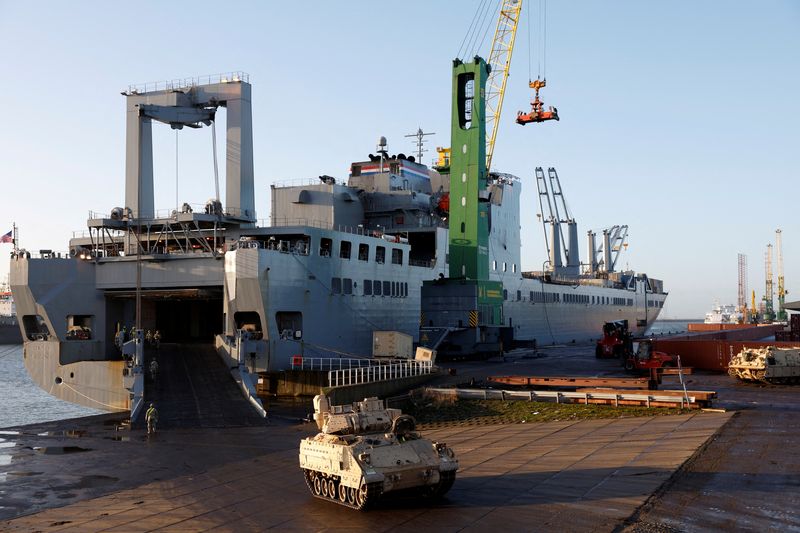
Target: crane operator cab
(537,113)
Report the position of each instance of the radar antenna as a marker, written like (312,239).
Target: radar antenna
(420,135)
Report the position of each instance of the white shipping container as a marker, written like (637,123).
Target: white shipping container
(392,344)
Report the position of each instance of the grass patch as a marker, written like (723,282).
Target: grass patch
(438,410)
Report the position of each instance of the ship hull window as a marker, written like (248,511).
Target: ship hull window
(249,321)
(325,247)
(35,327)
(290,324)
(344,249)
(397,256)
(79,327)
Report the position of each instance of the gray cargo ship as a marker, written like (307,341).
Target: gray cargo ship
(338,261)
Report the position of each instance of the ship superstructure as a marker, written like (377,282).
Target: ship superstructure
(339,260)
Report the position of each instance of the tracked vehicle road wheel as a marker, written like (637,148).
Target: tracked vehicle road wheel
(362,495)
(330,488)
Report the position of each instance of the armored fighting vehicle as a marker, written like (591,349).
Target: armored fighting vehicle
(770,365)
(366,450)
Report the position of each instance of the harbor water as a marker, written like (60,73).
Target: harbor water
(22,401)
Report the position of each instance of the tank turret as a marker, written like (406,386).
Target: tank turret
(770,365)
(365,450)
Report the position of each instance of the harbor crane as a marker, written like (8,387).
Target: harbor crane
(781,316)
(499,63)
(742,293)
(769,314)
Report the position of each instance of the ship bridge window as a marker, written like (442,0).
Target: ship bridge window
(79,327)
(380,254)
(35,328)
(344,249)
(355,170)
(325,247)
(363,252)
(397,256)
(290,324)
(249,321)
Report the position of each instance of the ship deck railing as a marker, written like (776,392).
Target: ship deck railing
(382,372)
(186,83)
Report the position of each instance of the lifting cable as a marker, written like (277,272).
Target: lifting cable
(544,45)
(177,204)
(488,26)
(214,145)
(528,8)
(469,31)
(480,25)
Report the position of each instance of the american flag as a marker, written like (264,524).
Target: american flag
(7,238)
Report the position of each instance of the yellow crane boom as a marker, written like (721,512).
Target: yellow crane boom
(500,61)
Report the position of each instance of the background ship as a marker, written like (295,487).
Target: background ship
(724,314)
(9,329)
(338,262)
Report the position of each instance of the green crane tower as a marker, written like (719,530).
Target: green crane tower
(463,313)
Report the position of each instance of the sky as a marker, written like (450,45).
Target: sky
(679,119)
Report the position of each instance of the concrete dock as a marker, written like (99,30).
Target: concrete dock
(584,475)
(696,472)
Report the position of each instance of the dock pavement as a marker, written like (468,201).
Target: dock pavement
(588,475)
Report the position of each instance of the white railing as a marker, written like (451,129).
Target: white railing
(184,83)
(381,372)
(330,363)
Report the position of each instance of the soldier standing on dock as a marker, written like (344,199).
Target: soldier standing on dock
(151,417)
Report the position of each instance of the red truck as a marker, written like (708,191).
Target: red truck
(616,341)
(643,357)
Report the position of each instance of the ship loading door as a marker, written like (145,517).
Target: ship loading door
(189,320)
(180,315)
